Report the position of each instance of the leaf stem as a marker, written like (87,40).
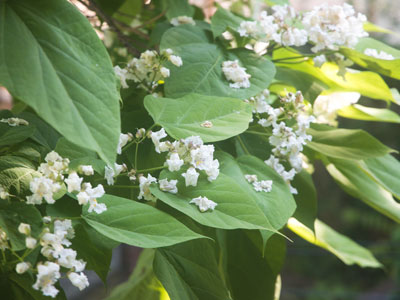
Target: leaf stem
(151,169)
(243,145)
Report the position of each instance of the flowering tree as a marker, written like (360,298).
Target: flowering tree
(198,145)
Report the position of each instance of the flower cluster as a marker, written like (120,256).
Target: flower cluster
(235,73)
(287,141)
(52,179)
(54,247)
(380,55)
(281,27)
(182,20)
(148,70)
(15,121)
(259,186)
(326,27)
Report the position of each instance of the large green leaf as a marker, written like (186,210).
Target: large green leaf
(138,224)
(345,143)
(224,19)
(386,171)
(251,273)
(341,246)
(185,116)
(190,271)
(142,284)
(70,82)
(202,63)
(177,8)
(306,199)
(16,173)
(386,67)
(355,181)
(236,208)
(360,112)
(14,213)
(277,205)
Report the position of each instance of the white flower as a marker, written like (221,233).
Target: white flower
(24,228)
(30,242)
(3,193)
(251,178)
(66,258)
(156,136)
(78,280)
(381,54)
(263,185)
(204,203)
(182,20)
(212,170)
(123,140)
(326,106)
(48,274)
(110,173)
(22,267)
(248,28)
(64,229)
(168,186)
(144,186)
(191,177)
(74,182)
(122,74)
(42,187)
(174,163)
(95,193)
(319,60)
(86,170)
(237,74)
(176,60)
(15,121)
(164,72)
(46,219)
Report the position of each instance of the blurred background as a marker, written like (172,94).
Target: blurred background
(310,272)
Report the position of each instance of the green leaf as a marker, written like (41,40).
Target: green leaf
(224,19)
(142,284)
(306,199)
(16,173)
(70,82)
(202,63)
(190,271)
(386,67)
(184,117)
(137,224)
(356,182)
(341,246)
(44,134)
(235,209)
(79,156)
(250,273)
(277,205)
(371,27)
(345,143)
(360,112)
(14,213)
(386,171)
(10,135)
(177,8)
(94,248)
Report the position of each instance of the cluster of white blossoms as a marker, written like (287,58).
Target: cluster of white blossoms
(190,152)
(235,73)
(14,121)
(380,55)
(326,106)
(182,20)
(52,178)
(326,27)
(287,141)
(148,69)
(54,246)
(259,186)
